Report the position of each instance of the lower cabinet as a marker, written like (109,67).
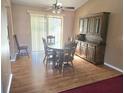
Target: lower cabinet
(91,52)
(81,49)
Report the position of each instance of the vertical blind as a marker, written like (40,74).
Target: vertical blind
(41,26)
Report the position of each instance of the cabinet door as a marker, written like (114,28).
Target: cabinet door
(83,50)
(90,25)
(97,25)
(94,25)
(83,25)
(91,55)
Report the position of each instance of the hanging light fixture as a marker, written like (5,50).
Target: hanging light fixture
(57,8)
(56,11)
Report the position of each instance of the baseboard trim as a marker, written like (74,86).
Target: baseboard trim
(111,66)
(14,59)
(10,81)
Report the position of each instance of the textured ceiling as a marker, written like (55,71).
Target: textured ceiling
(45,3)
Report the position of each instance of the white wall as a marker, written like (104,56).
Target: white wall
(10,29)
(5,55)
(21,23)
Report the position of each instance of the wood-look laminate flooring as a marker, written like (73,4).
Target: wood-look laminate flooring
(31,76)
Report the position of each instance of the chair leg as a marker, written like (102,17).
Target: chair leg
(27,52)
(44,58)
(72,65)
(46,62)
(60,67)
(19,53)
(63,68)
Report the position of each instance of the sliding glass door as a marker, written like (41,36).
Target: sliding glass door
(42,26)
(55,28)
(38,31)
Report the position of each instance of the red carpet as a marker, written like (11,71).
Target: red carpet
(112,85)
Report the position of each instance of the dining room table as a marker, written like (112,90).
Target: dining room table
(60,46)
(59,52)
(59,49)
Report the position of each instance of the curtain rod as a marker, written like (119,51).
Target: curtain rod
(32,12)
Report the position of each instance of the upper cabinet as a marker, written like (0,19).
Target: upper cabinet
(95,26)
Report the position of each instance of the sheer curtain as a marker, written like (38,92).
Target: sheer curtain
(38,30)
(43,25)
(55,28)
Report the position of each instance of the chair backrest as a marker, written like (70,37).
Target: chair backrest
(71,51)
(73,48)
(50,39)
(16,40)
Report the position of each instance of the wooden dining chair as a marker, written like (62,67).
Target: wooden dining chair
(20,48)
(49,53)
(68,56)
